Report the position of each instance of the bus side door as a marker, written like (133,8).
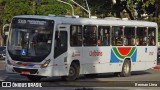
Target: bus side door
(60,43)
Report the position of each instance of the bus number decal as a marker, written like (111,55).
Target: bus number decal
(22,21)
(151,53)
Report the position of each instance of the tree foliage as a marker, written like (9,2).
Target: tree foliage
(51,7)
(30,7)
(133,9)
(100,8)
(15,7)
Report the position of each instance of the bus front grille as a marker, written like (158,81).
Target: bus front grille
(19,70)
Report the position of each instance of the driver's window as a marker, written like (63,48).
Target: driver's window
(60,43)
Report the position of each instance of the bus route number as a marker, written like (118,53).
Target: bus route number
(21,21)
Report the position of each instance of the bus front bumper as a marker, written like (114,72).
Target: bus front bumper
(29,71)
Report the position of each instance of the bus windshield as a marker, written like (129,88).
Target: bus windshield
(30,38)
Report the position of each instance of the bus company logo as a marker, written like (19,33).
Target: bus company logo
(118,54)
(6,84)
(95,53)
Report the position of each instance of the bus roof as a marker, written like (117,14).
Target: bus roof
(91,21)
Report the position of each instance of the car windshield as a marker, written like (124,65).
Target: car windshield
(30,38)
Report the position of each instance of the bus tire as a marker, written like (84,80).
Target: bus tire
(34,78)
(126,69)
(73,73)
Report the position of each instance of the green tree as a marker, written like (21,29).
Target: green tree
(15,7)
(46,7)
(137,6)
(29,7)
(100,8)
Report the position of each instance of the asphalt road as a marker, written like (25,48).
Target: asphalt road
(150,77)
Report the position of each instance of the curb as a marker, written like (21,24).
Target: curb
(156,67)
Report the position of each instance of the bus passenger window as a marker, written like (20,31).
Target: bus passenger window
(90,36)
(117,36)
(151,36)
(141,36)
(103,35)
(76,35)
(129,36)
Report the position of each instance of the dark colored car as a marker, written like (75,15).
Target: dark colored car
(2,52)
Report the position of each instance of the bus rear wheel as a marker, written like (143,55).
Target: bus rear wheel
(126,69)
(73,73)
(34,78)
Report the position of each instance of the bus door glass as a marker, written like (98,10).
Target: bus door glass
(60,44)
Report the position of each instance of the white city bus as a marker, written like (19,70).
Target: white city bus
(69,46)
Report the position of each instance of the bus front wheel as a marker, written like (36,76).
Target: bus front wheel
(73,73)
(126,69)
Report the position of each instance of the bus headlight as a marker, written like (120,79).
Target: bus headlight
(45,64)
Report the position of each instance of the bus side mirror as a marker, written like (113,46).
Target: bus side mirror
(5,34)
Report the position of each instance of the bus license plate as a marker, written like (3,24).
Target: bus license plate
(25,72)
